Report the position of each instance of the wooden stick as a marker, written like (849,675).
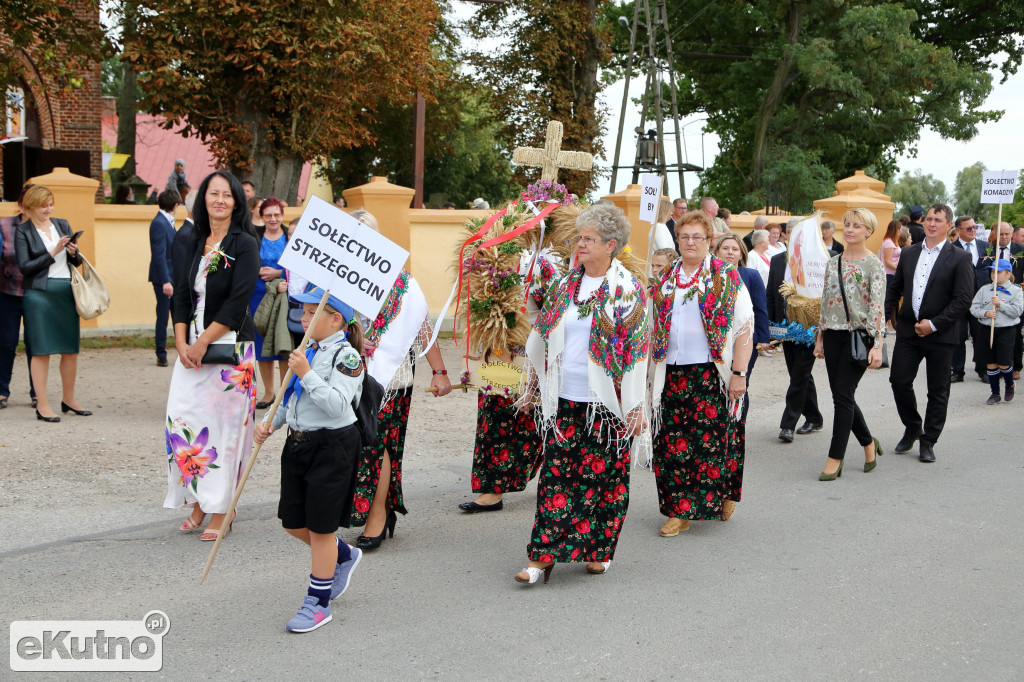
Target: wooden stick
(256,449)
(995,273)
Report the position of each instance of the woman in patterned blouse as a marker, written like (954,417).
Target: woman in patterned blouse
(863,278)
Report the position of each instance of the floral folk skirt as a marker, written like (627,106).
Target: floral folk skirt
(507,452)
(698,454)
(392,421)
(209,431)
(582,491)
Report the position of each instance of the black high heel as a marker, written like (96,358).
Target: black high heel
(390,523)
(64,407)
(373,542)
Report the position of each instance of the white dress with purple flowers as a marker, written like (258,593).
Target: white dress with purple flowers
(210,422)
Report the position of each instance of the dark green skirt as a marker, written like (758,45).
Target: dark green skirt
(51,319)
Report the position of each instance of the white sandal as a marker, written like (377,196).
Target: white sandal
(530,575)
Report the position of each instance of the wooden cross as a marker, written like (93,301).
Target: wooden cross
(551,158)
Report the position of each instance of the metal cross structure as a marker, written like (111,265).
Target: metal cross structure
(551,157)
(658,56)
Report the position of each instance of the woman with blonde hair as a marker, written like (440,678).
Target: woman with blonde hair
(851,304)
(46,252)
(663,237)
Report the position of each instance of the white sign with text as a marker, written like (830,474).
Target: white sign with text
(998,187)
(335,251)
(650,196)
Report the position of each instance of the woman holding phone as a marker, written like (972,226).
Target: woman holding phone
(46,251)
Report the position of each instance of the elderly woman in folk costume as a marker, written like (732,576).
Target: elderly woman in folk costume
(393,342)
(588,352)
(701,346)
(505,282)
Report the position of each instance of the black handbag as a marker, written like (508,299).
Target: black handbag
(224,353)
(295,318)
(860,340)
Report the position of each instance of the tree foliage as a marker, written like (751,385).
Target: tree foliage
(56,42)
(916,188)
(274,83)
(462,159)
(546,68)
(849,82)
(967,194)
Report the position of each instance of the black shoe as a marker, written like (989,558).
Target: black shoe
(927,455)
(906,443)
(52,420)
(264,404)
(3,402)
(473,507)
(955,378)
(367,542)
(983,377)
(161,362)
(786,435)
(34,402)
(65,408)
(808,427)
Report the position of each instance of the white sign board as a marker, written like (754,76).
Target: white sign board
(808,257)
(650,196)
(998,187)
(335,251)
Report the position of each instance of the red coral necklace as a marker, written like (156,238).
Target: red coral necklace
(688,286)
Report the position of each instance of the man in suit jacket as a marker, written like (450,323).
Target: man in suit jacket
(801,396)
(1012,251)
(966,230)
(936,282)
(161,271)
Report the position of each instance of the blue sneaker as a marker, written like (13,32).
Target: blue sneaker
(343,573)
(310,616)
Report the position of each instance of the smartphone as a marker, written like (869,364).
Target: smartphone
(76,235)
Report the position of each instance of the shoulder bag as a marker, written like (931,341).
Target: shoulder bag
(860,340)
(91,296)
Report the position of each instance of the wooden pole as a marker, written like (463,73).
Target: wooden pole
(256,450)
(995,272)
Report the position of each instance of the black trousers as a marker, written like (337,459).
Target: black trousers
(10,326)
(163,311)
(801,397)
(967,328)
(906,359)
(843,377)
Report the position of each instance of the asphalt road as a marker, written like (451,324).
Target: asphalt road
(910,572)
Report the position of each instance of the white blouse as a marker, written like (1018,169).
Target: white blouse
(59,267)
(575,356)
(687,342)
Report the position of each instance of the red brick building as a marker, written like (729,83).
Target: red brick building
(60,129)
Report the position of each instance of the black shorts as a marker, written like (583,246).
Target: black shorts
(1001,351)
(318,480)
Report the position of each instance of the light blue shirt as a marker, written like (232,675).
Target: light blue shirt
(327,389)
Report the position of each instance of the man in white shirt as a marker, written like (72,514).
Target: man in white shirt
(935,281)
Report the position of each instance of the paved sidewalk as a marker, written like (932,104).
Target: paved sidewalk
(910,572)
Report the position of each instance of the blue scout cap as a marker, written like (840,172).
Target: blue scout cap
(314,294)
(1001,264)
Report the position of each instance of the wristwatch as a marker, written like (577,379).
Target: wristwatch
(737,373)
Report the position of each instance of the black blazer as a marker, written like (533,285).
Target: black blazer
(34,260)
(228,289)
(161,239)
(776,277)
(180,250)
(916,230)
(983,275)
(947,295)
(752,280)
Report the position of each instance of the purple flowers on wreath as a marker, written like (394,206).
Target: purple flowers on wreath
(546,190)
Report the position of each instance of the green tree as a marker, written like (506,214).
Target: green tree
(462,158)
(916,188)
(272,84)
(967,194)
(852,83)
(1014,213)
(49,35)
(545,69)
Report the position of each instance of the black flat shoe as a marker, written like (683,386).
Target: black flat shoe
(786,435)
(808,427)
(3,402)
(956,378)
(264,404)
(52,420)
(473,507)
(927,455)
(161,362)
(64,407)
(906,443)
